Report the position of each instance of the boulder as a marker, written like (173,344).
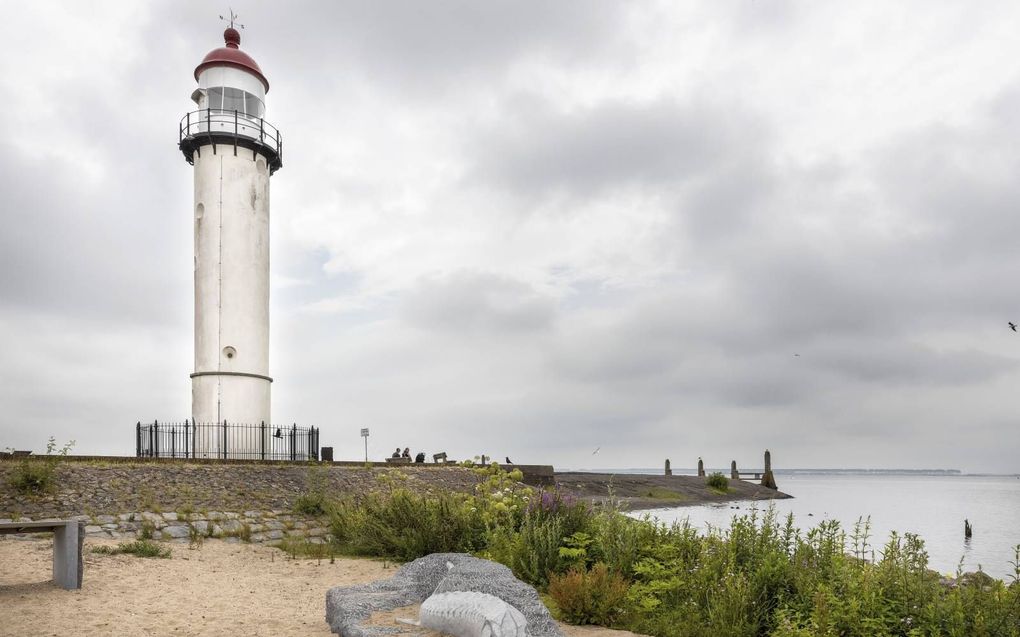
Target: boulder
(348,607)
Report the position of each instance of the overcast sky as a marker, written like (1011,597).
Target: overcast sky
(535,229)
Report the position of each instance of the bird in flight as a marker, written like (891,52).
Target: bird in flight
(1012,326)
(797,355)
(596,450)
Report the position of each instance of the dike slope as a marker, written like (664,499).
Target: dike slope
(634,491)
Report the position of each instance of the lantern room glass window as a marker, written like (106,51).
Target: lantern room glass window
(228,98)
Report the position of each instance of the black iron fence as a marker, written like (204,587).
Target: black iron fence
(227,441)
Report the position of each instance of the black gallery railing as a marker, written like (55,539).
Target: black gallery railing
(226,441)
(217,126)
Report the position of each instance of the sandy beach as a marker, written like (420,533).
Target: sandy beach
(217,589)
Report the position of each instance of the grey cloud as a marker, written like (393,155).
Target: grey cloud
(664,144)
(469,302)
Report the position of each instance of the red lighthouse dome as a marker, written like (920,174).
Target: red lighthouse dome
(231,55)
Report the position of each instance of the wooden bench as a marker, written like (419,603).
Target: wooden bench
(399,460)
(68,537)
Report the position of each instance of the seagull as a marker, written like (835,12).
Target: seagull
(1012,326)
(797,355)
(596,450)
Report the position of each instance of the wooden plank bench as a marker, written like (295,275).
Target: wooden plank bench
(68,537)
(400,460)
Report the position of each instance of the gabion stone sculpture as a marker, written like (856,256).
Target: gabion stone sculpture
(347,608)
(471,614)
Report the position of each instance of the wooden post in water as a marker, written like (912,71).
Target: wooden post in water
(669,471)
(701,468)
(734,474)
(767,479)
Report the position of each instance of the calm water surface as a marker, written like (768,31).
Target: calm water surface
(934,507)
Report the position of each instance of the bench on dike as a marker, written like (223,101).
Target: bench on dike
(398,460)
(68,537)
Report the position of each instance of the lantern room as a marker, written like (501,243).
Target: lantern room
(231,101)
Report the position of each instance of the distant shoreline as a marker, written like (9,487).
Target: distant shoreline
(799,471)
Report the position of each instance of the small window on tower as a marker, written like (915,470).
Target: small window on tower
(229,352)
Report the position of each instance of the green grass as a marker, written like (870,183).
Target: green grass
(138,548)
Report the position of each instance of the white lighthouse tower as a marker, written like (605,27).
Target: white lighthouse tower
(234,152)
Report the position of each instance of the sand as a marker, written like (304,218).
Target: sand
(219,589)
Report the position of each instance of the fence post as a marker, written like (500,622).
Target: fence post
(262,441)
(293,441)
(186,441)
(138,439)
(173,442)
(224,438)
(155,429)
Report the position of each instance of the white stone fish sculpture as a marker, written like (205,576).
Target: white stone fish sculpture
(472,614)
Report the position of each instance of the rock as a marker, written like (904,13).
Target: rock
(153,518)
(348,607)
(177,532)
(273,525)
(275,535)
(170,516)
(105,519)
(214,515)
(93,529)
(201,527)
(231,526)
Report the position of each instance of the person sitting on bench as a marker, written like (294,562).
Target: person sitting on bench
(420,458)
(396,454)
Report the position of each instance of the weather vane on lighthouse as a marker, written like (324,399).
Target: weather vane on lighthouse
(234,151)
(233,16)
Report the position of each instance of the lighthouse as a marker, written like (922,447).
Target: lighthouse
(234,152)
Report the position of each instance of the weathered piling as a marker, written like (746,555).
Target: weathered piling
(669,471)
(734,474)
(767,479)
(701,468)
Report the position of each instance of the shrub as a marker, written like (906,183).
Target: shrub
(717,481)
(311,504)
(589,597)
(35,475)
(405,525)
(314,501)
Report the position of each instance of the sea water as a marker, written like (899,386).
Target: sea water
(933,507)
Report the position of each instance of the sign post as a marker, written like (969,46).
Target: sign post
(364,434)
